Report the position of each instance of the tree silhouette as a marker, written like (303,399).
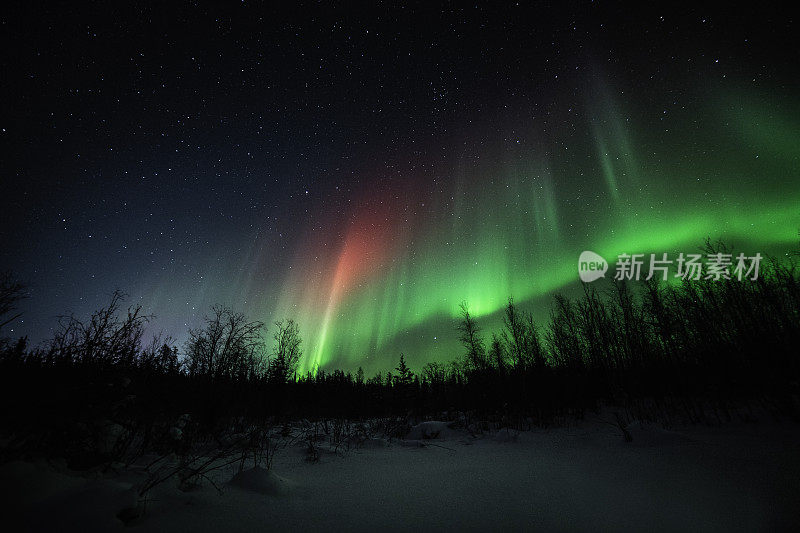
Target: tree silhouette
(286,353)
(404,376)
(11,292)
(470,338)
(228,346)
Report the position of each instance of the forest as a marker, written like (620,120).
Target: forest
(689,351)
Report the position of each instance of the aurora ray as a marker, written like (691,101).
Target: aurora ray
(364,183)
(505,228)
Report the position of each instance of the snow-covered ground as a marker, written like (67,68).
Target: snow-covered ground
(738,477)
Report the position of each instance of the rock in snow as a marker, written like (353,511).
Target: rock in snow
(262,481)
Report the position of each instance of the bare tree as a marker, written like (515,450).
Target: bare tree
(471,339)
(227,346)
(497,354)
(522,338)
(105,338)
(11,292)
(287,352)
(160,355)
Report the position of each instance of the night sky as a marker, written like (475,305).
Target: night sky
(365,170)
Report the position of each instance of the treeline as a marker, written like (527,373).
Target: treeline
(693,349)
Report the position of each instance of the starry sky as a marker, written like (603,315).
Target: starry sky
(365,170)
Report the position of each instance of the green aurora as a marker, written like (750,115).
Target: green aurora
(497,218)
(508,227)
(364,171)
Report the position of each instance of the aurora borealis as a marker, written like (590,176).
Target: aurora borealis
(364,173)
(382,290)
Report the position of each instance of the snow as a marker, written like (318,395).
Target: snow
(39,498)
(261,481)
(738,477)
(432,430)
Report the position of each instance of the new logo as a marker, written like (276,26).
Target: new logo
(591,266)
